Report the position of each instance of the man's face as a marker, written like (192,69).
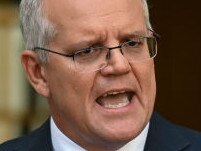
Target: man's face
(92,108)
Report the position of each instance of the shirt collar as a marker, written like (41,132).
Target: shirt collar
(61,142)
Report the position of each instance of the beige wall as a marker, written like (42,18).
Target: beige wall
(20,108)
(13,95)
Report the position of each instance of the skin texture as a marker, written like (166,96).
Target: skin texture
(72,95)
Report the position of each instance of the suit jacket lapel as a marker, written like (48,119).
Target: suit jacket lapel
(41,139)
(163,136)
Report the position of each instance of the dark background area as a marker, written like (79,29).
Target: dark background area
(178,64)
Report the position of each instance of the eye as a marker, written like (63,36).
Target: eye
(88,54)
(133,43)
(86,51)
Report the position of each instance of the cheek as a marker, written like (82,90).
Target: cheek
(63,79)
(145,75)
(73,87)
(70,93)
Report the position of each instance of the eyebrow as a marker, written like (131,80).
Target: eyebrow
(132,34)
(87,42)
(79,45)
(100,39)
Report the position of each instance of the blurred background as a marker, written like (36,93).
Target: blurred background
(21,109)
(178,68)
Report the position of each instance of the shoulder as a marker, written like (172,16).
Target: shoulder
(39,140)
(164,134)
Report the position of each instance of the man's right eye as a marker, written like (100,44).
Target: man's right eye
(85,51)
(88,53)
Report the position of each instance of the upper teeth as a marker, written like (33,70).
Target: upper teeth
(113,93)
(115,100)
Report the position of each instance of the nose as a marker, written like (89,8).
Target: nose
(117,63)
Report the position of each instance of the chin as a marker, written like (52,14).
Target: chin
(120,133)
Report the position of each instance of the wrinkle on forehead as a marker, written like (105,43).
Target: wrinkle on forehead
(95,20)
(76,9)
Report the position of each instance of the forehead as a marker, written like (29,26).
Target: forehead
(93,16)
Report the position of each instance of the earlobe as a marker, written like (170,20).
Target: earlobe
(35,72)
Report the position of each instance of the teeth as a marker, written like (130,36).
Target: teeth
(113,93)
(115,100)
(110,105)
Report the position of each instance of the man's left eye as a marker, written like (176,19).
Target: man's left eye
(133,43)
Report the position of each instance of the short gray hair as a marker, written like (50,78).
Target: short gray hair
(146,14)
(38,31)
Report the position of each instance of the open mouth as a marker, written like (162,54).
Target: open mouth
(115,100)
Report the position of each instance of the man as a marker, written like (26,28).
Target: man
(93,61)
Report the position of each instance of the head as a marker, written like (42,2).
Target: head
(100,110)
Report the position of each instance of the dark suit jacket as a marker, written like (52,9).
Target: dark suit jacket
(162,136)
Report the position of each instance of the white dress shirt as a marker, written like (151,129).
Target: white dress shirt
(62,143)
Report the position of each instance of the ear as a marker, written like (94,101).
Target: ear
(35,71)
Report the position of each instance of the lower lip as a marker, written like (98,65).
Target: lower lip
(121,110)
